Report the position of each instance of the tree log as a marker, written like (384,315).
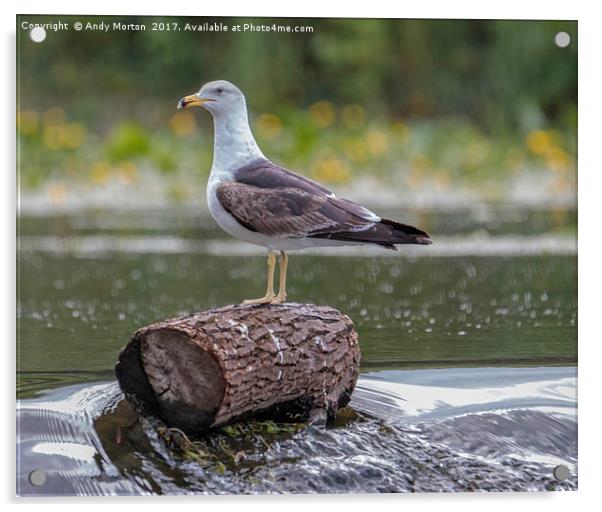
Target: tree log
(215,367)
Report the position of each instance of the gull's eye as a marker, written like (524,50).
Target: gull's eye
(219,90)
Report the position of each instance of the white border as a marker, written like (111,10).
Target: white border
(510,9)
(590,171)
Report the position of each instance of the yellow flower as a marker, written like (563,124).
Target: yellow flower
(377,141)
(538,141)
(269,126)
(353,116)
(322,113)
(28,122)
(101,172)
(60,136)
(183,123)
(558,159)
(52,137)
(330,169)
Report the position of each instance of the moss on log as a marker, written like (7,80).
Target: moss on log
(214,367)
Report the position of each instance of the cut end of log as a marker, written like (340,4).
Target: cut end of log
(186,381)
(214,367)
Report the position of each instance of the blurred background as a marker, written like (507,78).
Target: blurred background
(417,112)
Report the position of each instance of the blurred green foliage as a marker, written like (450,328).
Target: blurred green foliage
(430,100)
(127,140)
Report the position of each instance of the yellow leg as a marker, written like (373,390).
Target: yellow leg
(281,297)
(269,293)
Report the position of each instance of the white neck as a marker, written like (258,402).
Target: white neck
(234,144)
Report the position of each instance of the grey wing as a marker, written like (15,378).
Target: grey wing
(289,212)
(264,174)
(274,201)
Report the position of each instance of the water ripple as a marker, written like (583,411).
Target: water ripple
(421,430)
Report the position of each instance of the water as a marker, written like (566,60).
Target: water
(468,353)
(413,430)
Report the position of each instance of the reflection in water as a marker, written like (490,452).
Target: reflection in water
(419,430)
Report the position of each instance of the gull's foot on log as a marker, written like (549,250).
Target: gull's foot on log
(266,299)
(279,299)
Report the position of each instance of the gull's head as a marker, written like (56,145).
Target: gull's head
(221,98)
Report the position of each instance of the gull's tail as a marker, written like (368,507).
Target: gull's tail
(386,233)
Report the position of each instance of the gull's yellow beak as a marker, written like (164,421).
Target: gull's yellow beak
(192,100)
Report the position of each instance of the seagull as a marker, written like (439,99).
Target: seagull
(258,201)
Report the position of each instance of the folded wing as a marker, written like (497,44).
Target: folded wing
(273,201)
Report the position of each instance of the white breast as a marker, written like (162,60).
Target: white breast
(226,221)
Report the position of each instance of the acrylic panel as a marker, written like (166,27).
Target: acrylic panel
(412,184)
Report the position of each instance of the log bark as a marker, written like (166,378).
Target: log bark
(214,367)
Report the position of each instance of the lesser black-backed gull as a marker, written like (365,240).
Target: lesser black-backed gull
(260,202)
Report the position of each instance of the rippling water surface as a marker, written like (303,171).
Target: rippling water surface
(468,354)
(414,430)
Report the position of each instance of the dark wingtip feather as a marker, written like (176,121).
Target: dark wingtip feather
(386,234)
(406,234)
